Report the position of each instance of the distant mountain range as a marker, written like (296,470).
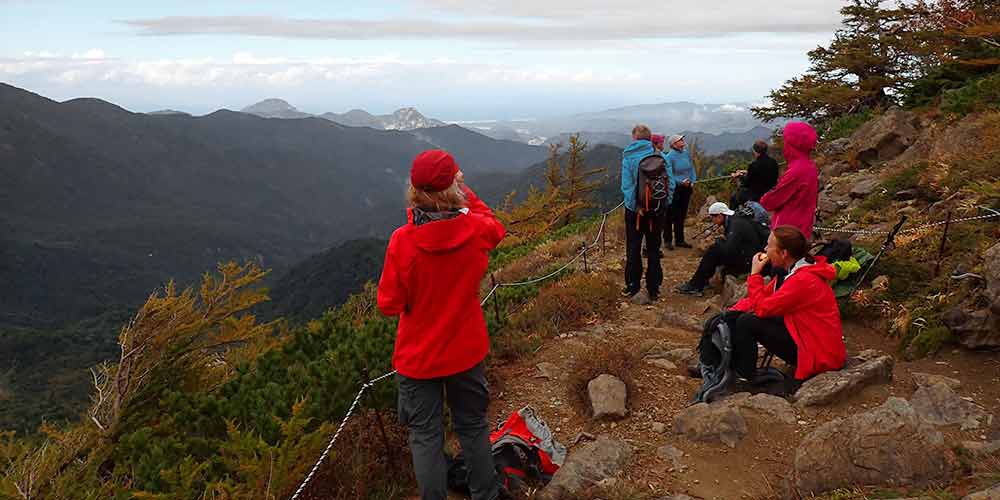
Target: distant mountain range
(712,144)
(610,125)
(401,119)
(100,205)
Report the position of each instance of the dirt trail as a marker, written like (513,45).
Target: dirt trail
(758,464)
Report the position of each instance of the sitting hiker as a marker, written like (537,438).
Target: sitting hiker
(744,237)
(796,318)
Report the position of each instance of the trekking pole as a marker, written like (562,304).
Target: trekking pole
(496,299)
(944,240)
(890,241)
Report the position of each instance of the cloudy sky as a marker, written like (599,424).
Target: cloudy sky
(453,59)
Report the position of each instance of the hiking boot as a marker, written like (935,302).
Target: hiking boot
(683,244)
(653,296)
(628,292)
(687,288)
(670,245)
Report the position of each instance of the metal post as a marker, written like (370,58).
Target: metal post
(944,240)
(381,428)
(496,298)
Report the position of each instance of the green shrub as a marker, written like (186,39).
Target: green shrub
(844,126)
(977,95)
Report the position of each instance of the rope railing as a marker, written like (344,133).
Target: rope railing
(879,232)
(492,292)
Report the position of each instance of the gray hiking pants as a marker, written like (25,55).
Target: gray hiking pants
(421,405)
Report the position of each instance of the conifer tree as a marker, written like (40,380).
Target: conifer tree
(871,60)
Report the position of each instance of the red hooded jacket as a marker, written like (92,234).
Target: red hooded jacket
(806,303)
(431,280)
(793,200)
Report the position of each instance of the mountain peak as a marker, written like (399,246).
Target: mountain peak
(274,108)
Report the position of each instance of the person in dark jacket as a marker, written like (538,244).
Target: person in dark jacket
(744,238)
(433,268)
(760,177)
(679,162)
(639,227)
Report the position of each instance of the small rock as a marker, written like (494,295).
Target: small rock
(928,379)
(717,422)
(547,370)
(831,387)
(662,363)
(658,427)
(586,466)
(679,319)
(668,452)
(864,187)
(607,397)
(641,299)
(773,407)
(939,405)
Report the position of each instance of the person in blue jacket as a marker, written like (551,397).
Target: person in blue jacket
(638,230)
(679,161)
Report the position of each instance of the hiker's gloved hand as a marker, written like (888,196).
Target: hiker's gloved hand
(460,178)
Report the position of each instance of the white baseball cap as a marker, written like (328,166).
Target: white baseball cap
(719,208)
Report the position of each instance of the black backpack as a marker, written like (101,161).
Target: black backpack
(652,186)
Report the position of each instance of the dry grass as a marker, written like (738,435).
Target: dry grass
(617,360)
(567,305)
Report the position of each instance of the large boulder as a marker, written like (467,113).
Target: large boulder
(733,290)
(864,186)
(831,387)
(718,422)
(885,137)
(979,328)
(887,446)
(586,466)
(607,397)
(939,405)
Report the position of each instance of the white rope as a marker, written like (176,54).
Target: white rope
(343,423)
(876,232)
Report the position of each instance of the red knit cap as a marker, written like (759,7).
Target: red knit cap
(433,170)
(657,140)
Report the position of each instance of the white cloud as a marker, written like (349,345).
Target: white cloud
(527,23)
(245,68)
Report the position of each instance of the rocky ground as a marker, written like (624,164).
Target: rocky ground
(884,422)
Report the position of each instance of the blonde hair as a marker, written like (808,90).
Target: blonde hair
(641,131)
(452,198)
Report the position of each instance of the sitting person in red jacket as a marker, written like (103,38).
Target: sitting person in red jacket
(794,317)
(433,268)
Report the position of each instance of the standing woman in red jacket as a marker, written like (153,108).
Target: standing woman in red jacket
(795,317)
(433,268)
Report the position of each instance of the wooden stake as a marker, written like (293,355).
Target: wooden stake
(944,240)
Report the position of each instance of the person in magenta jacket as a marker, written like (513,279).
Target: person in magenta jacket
(433,269)
(793,200)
